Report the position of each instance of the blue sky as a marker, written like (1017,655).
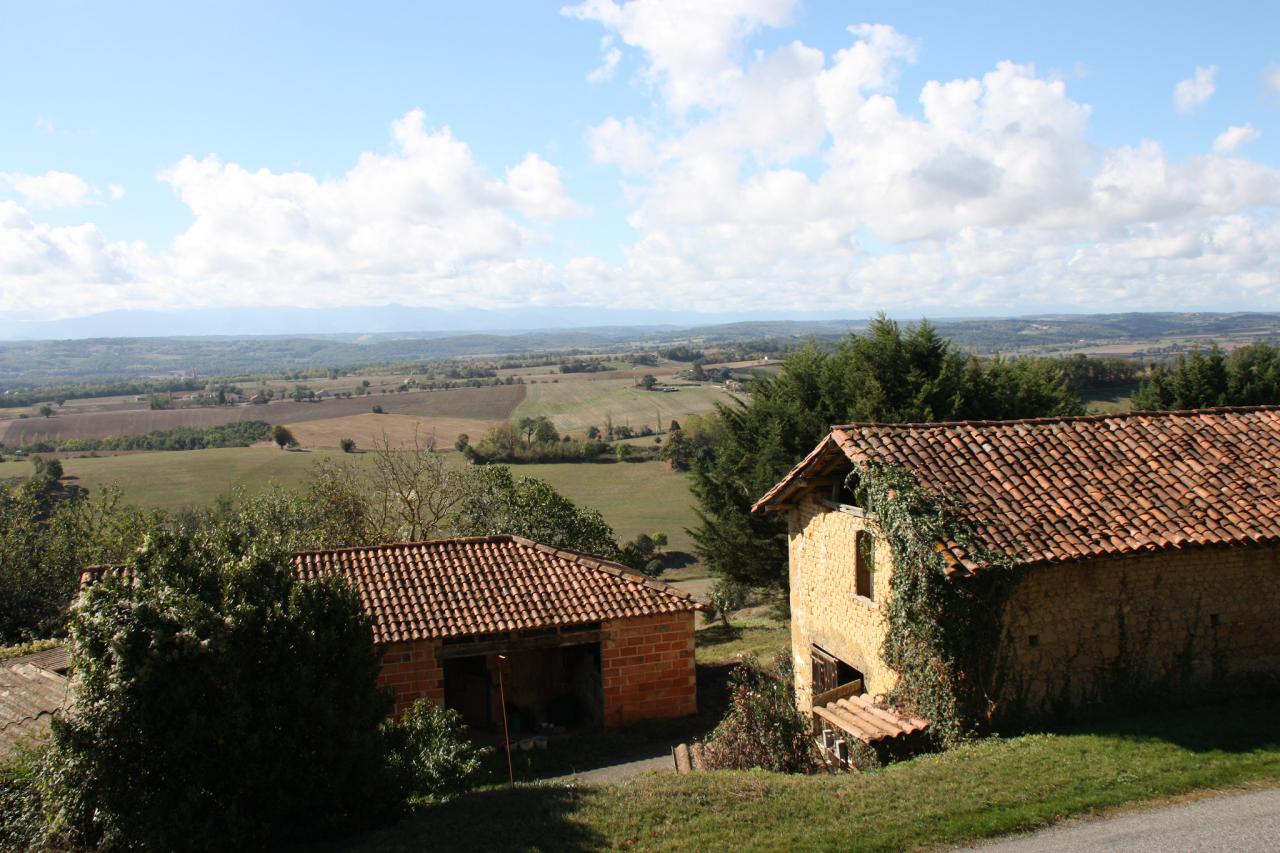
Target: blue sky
(711,196)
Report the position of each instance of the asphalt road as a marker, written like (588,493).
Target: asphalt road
(1234,822)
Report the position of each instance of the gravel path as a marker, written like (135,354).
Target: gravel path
(1234,822)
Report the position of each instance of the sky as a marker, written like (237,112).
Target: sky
(745,157)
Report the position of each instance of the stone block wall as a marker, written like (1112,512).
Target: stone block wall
(648,668)
(1075,634)
(825,609)
(412,671)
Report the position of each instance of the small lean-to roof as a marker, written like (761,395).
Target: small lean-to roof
(1060,489)
(486,585)
(32,691)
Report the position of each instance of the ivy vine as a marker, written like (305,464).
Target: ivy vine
(943,632)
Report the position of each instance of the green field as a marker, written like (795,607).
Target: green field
(579,403)
(640,497)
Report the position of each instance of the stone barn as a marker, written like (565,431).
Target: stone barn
(1144,547)
(580,640)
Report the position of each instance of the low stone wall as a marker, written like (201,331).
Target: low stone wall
(649,669)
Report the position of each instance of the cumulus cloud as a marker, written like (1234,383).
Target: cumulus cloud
(1194,91)
(52,189)
(692,47)
(424,223)
(1235,136)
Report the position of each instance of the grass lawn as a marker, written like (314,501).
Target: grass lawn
(576,403)
(988,788)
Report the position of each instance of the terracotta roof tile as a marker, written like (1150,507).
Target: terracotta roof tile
(31,693)
(459,587)
(1059,489)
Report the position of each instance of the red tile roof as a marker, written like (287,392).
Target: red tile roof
(32,691)
(460,587)
(1058,489)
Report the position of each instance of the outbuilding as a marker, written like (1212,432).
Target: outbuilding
(577,640)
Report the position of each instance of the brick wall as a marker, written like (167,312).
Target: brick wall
(648,668)
(825,609)
(1166,621)
(412,671)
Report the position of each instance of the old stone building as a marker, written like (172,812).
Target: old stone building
(1144,550)
(579,640)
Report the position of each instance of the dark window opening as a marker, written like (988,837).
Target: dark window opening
(1214,620)
(829,672)
(864,568)
(547,690)
(1033,640)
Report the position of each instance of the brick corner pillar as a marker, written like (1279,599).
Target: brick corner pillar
(648,668)
(413,672)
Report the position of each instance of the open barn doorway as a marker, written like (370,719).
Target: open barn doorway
(548,690)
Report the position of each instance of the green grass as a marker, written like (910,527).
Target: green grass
(985,789)
(759,637)
(641,497)
(576,404)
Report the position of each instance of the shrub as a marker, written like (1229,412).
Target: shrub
(432,752)
(348,445)
(725,597)
(21,812)
(763,728)
(377,410)
(221,703)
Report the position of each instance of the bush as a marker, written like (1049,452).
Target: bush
(763,728)
(726,596)
(21,812)
(221,703)
(348,445)
(432,752)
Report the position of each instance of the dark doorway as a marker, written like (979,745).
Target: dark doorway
(829,672)
(467,689)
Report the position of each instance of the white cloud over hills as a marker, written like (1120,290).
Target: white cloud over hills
(786,179)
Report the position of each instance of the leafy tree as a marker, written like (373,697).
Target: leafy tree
(648,381)
(377,410)
(348,445)
(221,704)
(46,410)
(593,432)
(887,374)
(432,751)
(462,442)
(1249,376)
(624,452)
(497,502)
(281,435)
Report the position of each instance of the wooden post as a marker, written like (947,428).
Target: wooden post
(506,736)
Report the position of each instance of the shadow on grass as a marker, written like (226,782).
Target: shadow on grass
(484,821)
(1234,725)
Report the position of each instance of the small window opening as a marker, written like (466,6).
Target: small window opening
(864,568)
(1033,640)
(829,672)
(1214,620)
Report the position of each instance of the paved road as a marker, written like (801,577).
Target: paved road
(1234,822)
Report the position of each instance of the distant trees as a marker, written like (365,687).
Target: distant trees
(1249,376)
(46,410)
(681,353)
(648,381)
(348,445)
(283,437)
(887,374)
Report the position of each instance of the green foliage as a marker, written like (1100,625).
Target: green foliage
(281,435)
(432,752)
(43,546)
(888,374)
(942,632)
(221,703)
(348,445)
(497,502)
(763,728)
(22,825)
(1249,376)
(726,596)
(533,440)
(642,555)
(233,434)
(681,353)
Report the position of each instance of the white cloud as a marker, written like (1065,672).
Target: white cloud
(45,126)
(1271,78)
(115,191)
(691,47)
(623,143)
(1235,136)
(610,56)
(52,189)
(1194,91)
